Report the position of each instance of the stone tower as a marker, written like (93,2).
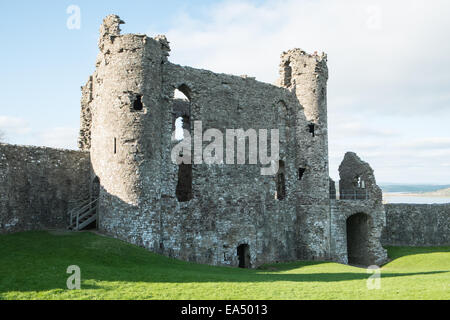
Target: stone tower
(123,132)
(306,76)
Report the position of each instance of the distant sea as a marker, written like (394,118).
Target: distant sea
(401,197)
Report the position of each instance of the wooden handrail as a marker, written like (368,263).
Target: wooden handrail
(81,212)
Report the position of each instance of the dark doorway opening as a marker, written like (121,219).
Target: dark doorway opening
(95,194)
(357,239)
(243,252)
(184,185)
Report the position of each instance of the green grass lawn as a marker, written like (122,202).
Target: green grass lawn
(33,266)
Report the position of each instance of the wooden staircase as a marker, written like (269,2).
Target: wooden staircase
(83,215)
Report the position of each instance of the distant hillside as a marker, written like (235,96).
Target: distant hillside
(413,188)
(438,193)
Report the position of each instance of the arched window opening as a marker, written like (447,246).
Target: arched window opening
(243,253)
(281,182)
(287,72)
(182,92)
(179,131)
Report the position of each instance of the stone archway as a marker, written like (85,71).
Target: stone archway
(358,239)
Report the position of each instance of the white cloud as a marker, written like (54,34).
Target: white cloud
(429,143)
(388,62)
(14,126)
(59,137)
(19,131)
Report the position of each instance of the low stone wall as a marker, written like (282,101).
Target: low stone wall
(417,225)
(39,185)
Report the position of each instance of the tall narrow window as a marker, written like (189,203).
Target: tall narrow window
(184,186)
(361,183)
(287,70)
(115,145)
(181,121)
(137,104)
(312,129)
(301,172)
(281,182)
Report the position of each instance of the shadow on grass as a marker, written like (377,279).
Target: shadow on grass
(159,276)
(397,252)
(38,262)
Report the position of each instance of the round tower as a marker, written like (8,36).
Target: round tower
(125,130)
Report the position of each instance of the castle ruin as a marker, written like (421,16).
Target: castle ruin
(218,214)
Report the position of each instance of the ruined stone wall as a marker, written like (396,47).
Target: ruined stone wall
(231,204)
(38,186)
(417,225)
(370,207)
(84,139)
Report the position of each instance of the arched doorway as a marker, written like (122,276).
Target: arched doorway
(358,239)
(243,252)
(95,194)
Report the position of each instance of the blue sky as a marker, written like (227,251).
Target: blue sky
(389,86)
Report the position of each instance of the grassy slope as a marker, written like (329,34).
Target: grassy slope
(33,266)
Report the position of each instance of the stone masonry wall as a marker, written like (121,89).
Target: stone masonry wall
(39,185)
(131,123)
(344,235)
(417,225)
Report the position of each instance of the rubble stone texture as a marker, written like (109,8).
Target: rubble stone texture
(38,186)
(150,201)
(417,225)
(219,214)
(358,217)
